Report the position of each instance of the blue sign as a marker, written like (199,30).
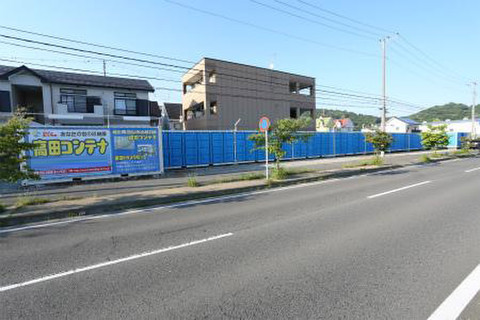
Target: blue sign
(70,152)
(135,150)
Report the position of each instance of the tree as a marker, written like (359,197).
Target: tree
(282,131)
(13,148)
(381,141)
(435,137)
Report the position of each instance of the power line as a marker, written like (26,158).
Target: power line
(429,57)
(310,20)
(256,26)
(380,29)
(95,44)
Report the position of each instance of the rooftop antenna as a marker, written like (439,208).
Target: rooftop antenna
(272,62)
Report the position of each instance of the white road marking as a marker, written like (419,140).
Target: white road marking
(110,263)
(161,207)
(399,189)
(456,302)
(471,170)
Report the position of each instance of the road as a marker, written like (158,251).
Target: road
(390,245)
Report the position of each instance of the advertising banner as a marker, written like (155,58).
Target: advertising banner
(70,152)
(135,150)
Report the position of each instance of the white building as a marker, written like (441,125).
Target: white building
(454,125)
(401,125)
(62,98)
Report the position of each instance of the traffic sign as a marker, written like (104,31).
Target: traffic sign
(264,124)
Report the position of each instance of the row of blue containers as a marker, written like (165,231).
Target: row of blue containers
(202,148)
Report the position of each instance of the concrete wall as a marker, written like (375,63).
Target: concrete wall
(245,92)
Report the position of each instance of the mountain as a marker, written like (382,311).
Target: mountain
(358,119)
(452,111)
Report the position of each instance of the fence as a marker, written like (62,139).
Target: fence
(66,153)
(202,148)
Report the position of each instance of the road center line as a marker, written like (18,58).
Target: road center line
(456,302)
(110,263)
(399,189)
(471,170)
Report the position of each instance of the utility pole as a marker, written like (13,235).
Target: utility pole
(474,127)
(384,83)
(104,68)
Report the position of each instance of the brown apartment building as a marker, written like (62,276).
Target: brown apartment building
(217,93)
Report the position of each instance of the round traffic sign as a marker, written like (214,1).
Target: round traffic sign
(264,124)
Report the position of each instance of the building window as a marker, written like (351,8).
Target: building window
(213,107)
(306,90)
(5,104)
(292,87)
(212,77)
(293,113)
(125,104)
(75,99)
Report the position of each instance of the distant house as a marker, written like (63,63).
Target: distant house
(344,125)
(65,98)
(401,125)
(173,114)
(453,125)
(324,124)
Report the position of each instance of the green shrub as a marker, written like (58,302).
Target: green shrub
(2,208)
(279,173)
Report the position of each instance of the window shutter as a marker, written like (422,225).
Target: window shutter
(5,104)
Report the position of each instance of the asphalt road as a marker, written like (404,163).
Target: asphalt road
(391,245)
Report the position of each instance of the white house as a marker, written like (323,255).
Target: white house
(401,125)
(62,98)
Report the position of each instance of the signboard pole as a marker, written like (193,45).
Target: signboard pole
(266,154)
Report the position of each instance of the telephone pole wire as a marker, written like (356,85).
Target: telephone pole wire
(474,127)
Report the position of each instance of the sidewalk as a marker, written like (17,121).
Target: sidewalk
(178,178)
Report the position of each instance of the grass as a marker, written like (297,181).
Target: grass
(243,177)
(461,152)
(375,161)
(279,174)
(192,182)
(2,207)
(30,201)
(425,158)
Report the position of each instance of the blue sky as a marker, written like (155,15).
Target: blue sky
(447,31)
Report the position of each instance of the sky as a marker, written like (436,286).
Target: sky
(431,62)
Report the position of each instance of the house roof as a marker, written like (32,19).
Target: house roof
(70,78)
(174,110)
(407,121)
(344,122)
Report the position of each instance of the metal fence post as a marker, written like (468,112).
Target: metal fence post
(334,146)
(160,150)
